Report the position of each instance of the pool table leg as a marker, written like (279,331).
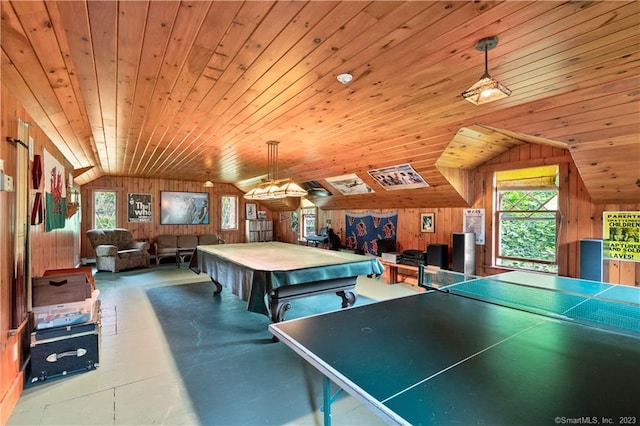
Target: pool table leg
(218,286)
(278,309)
(348,297)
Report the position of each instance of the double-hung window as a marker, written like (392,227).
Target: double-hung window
(308,222)
(104,209)
(526,219)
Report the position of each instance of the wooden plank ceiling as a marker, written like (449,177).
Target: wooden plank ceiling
(176,90)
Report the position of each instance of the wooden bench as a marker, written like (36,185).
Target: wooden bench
(392,268)
(392,277)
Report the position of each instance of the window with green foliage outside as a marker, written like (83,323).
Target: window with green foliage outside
(104,209)
(526,217)
(229,212)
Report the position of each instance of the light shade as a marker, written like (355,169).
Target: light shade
(208,183)
(289,189)
(487,89)
(274,188)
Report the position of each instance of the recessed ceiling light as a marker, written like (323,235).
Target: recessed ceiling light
(344,78)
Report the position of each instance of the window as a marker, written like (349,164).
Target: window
(526,216)
(308,222)
(104,209)
(229,212)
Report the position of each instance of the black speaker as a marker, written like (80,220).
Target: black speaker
(438,255)
(464,252)
(591,260)
(386,246)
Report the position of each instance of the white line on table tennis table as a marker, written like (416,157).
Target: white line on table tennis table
(551,314)
(460,362)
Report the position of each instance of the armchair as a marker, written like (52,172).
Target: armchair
(116,250)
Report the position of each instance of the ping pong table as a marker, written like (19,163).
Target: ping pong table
(515,348)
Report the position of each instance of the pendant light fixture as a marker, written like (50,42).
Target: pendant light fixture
(487,89)
(274,188)
(208,183)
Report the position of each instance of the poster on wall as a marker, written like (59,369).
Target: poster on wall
(139,208)
(474,222)
(350,184)
(55,202)
(621,235)
(184,208)
(398,177)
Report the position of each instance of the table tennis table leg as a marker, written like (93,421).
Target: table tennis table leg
(327,400)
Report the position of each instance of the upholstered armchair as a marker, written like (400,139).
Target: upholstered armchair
(116,250)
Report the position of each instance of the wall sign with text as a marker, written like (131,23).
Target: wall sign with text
(139,208)
(621,235)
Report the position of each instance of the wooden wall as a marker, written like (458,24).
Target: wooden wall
(580,217)
(64,248)
(50,250)
(149,231)
(10,383)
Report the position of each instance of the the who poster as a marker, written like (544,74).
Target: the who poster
(139,208)
(621,235)
(474,222)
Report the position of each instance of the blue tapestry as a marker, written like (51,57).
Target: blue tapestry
(364,230)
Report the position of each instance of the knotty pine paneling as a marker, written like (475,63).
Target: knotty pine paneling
(149,231)
(147,77)
(49,250)
(10,379)
(580,217)
(58,248)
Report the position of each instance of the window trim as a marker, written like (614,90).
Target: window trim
(497,257)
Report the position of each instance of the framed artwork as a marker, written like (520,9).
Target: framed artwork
(402,176)
(428,222)
(251,211)
(139,208)
(184,208)
(349,184)
(262,215)
(474,222)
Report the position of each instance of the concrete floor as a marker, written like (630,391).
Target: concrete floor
(137,382)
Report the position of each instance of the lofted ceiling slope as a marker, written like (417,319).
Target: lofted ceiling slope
(176,90)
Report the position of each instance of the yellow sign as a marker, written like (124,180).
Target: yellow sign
(621,235)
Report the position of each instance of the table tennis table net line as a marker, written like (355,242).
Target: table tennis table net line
(589,308)
(596,296)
